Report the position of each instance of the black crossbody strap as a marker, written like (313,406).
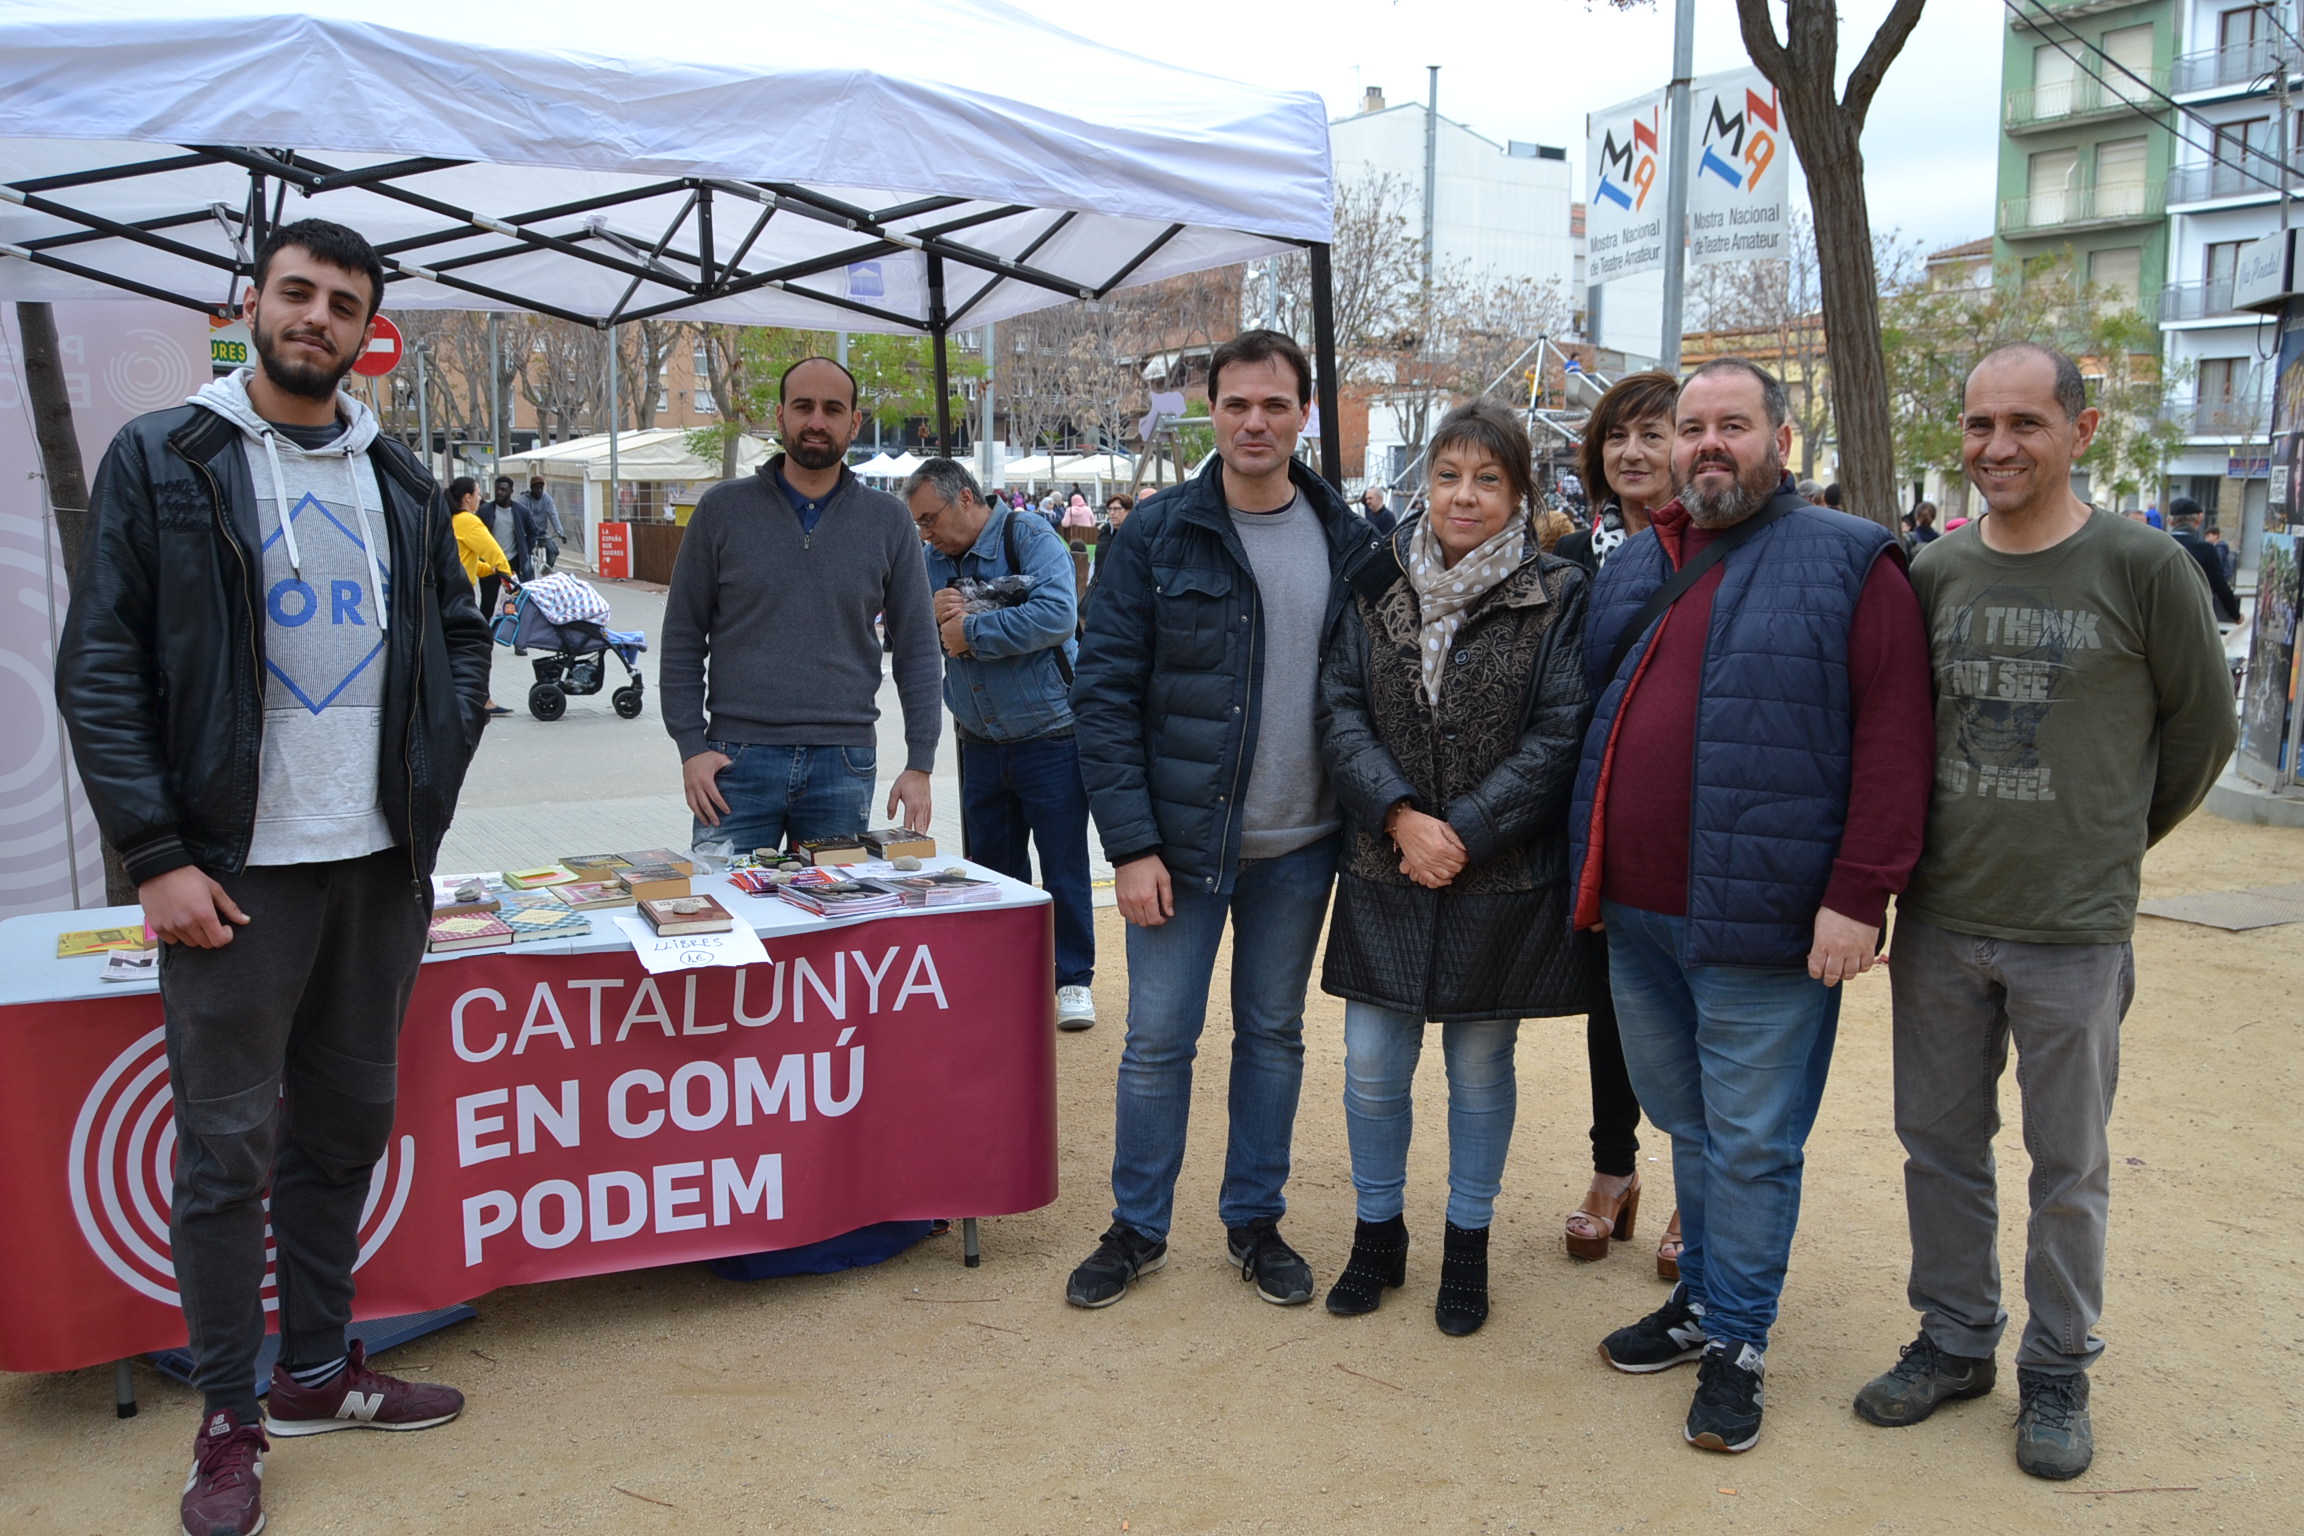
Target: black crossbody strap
(1016,564)
(1692,571)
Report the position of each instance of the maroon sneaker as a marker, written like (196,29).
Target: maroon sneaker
(224,1496)
(359,1398)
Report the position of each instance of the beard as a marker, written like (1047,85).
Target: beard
(814,455)
(309,381)
(1747,494)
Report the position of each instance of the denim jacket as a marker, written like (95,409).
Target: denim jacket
(1013,688)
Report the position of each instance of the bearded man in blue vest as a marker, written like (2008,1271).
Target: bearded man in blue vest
(1753,790)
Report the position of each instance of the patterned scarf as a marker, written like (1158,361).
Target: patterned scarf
(1444,594)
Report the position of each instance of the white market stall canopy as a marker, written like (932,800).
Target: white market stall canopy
(863,168)
(654,454)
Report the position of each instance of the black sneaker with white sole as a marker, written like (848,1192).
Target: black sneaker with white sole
(1123,1256)
(1725,1415)
(1666,1337)
(1279,1271)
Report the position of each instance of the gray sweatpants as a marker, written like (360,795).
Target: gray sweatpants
(1960,999)
(283,1056)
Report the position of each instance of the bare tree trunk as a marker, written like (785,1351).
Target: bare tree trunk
(67,481)
(1828,133)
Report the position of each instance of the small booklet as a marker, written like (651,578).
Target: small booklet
(131,965)
(542,875)
(97,941)
(944,889)
(834,897)
(676,915)
(678,861)
(595,866)
(469,930)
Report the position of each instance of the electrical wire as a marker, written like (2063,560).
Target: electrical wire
(2212,149)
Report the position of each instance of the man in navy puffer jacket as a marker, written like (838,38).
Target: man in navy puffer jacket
(1194,707)
(1753,790)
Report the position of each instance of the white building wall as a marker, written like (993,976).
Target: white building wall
(1500,215)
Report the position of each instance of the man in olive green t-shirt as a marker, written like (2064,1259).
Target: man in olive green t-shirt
(2083,709)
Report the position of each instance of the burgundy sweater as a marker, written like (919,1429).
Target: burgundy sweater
(1648,816)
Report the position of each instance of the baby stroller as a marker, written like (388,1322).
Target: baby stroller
(568,619)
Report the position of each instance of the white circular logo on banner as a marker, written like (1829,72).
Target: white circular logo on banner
(123,1167)
(148,372)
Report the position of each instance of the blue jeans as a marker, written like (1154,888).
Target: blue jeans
(1011,792)
(1380,1051)
(1729,1062)
(1276,909)
(803,792)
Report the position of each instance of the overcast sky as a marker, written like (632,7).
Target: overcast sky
(1531,69)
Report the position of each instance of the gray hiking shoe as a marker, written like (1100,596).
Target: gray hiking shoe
(2053,1437)
(1923,1380)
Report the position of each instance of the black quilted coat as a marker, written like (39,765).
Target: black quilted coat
(1496,760)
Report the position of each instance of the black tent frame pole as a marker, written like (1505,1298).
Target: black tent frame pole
(938,327)
(1324,364)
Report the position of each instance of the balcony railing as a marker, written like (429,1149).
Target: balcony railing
(2236,416)
(2065,101)
(2241,175)
(2126,202)
(2218,68)
(2197,301)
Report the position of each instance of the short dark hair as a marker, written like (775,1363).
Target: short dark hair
(331,243)
(461,487)
(504,480)
(1487,426)
(1261,346)
(1832,495)
(1634,397)
(814,357)
(1773,399)
(2071,389)
(2183,510)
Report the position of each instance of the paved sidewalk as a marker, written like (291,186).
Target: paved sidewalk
(590,782)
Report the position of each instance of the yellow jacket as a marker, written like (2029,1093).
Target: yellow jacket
(478,549)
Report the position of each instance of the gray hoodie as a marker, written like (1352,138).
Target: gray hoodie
(326,572)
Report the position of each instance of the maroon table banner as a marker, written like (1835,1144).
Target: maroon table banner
(567,1115)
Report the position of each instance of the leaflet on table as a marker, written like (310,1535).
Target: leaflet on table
(694,951)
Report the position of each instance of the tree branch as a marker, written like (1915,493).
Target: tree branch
(1760,42)
(1889,41)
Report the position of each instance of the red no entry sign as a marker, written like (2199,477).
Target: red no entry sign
(383,354)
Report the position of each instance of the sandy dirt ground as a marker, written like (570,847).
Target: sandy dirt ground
(922,1396)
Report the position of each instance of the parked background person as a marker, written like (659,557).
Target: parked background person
(1452,709)
(1750,797)
(511,521)
(2184,526)
(544,521)
(2083,709)
(780,580)
(1551,526)
(480,555)
(1627,458)
(2224,556)
(1117,508)
(1008,682)
(1924,524)
(1375,507)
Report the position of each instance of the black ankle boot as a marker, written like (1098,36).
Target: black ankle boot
(1463,1303)
(1379,1259)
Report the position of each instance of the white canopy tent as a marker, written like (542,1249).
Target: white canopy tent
(877,467)
(853,170)
(658,456)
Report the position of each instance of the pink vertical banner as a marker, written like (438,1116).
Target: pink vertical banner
(121,359)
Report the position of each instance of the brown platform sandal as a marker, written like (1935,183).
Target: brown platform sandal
(1613,1215)
(1668,1252)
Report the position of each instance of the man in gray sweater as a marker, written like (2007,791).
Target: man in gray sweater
(778,582)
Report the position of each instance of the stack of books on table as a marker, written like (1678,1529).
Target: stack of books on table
(531,922)
(897,843)
(593,895)
(943,889)
(827,895)
(678,916)
(460,895)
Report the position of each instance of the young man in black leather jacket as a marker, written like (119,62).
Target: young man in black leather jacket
(275,747)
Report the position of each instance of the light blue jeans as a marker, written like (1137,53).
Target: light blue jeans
(1729,1061)
(1276,910)
(796,793)
(1380,1052)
